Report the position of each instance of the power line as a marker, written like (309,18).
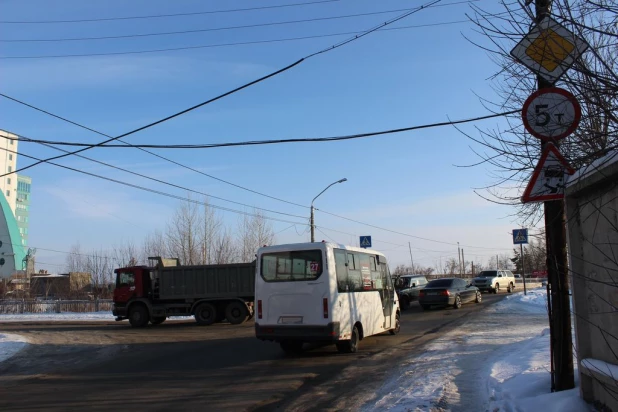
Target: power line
(157,16)
(158,191)
(245,43)
(149,152)
(340,44)
(246,26)
(278,141)
(167,183)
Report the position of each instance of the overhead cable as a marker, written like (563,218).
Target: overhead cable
(158,16)
(276,141)
(212,29)
(335,46)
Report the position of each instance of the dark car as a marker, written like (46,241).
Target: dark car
(448,292)
(408,287)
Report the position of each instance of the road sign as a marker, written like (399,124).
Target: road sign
(365,241)
(549,177)
(520,236)
(549,49)
(551,114)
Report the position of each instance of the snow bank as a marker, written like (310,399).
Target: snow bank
(484,364)
(104,316)
(11,344)
(64,316)
(535,302)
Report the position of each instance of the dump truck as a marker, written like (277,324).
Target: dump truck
(209,293)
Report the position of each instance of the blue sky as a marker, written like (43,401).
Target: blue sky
(407,182)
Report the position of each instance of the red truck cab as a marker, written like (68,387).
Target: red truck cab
(131,283)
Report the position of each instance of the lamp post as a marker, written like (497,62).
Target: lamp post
(312,222)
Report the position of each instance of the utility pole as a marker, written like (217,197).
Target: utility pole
(497,263)
(411,259)
(555,232)
(463,262)
(459,257)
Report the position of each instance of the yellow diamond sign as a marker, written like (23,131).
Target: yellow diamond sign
(549,49)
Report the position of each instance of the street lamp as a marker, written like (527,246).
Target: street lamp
(312,220)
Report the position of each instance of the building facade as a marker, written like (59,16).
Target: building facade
(8,164)
(22,207)
(15,208)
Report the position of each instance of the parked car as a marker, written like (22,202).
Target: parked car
(408,287)
(448,292)
(493,280)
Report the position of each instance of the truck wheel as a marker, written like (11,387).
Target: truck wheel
(497,288)
(349,346)
(157,320)
(509,288)
(205,314)
(236,312)
(138,316)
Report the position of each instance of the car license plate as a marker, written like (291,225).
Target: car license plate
(432,293)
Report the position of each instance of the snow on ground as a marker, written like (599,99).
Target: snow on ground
(67,316)
(10,344)
(497,361)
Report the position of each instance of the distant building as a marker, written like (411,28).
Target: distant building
(12,253)
(22,208)
(8,164)
(14,209)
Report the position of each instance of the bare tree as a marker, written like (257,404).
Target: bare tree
(254,231)
(183,233)
(75,260)
(101,270)
(211,226)
(511,152)
(125,254)
(451,266)
(154,245)
(225,250)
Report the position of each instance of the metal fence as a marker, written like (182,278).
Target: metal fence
(57,306)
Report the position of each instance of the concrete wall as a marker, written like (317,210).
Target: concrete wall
(592,224)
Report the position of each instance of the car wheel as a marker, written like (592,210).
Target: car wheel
(479,297)
(497,288)
(397,328)
(405,303)
(426,307)
(457,303)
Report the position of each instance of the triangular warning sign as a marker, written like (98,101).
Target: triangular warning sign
(549,178)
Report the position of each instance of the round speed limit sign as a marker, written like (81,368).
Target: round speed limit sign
(551,114)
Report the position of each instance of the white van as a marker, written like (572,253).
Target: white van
(323,292)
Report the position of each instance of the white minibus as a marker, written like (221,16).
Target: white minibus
(323,292)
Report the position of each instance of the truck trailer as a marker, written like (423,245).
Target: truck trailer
(209,293)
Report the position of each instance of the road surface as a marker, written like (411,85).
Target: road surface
(181,366)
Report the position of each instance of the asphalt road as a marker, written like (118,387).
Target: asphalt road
(181,366)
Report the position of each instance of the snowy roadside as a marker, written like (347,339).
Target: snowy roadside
(104,316)
(498,361)
(10,344)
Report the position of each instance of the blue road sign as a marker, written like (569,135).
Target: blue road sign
(520,236)
(365,241)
